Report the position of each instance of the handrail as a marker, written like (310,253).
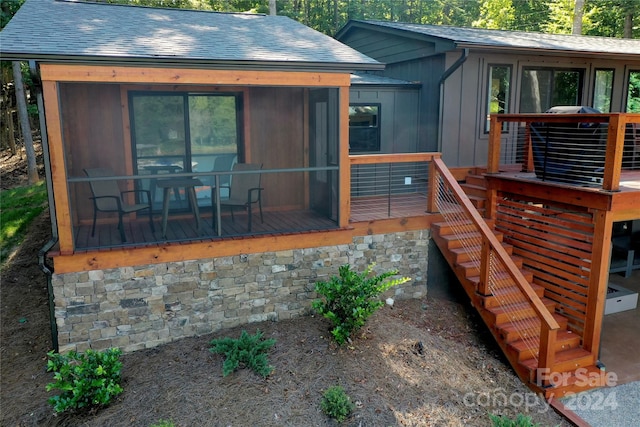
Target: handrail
(490,244)
(366,159)
(612,164)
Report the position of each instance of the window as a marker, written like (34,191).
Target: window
(498,91)
(543,88)
(184,132)
(633,92)
(602,90)
(364,128)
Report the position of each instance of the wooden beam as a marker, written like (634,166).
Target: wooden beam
(615,149)
(121,74)
(344,175)
(58,171)
(369,159)
(495,134)
(598,281)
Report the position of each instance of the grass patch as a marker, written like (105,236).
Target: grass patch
(20,206)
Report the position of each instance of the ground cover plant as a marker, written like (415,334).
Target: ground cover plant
(248,350)
(336,403)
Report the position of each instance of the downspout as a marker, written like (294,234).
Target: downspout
(445,76)
(48,271)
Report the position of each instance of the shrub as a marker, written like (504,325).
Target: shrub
(163,423)
(520,421)
(336,403)
(349,299)
(250,350)
(89,379)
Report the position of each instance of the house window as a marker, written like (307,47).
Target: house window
(498,91)
(184,132)
(602,90)
(364,128)
(633,92)
(543,88)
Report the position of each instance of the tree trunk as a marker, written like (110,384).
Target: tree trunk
(577,17)
(272,7)
(23,116)
(628,25)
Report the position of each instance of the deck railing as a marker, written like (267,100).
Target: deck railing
(390,185)
(577,149)
(497,269)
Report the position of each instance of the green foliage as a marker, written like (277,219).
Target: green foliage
(349,300)
(163,423)
(20,206)
(89,379)
(520,421)
(248,350)
(336,403)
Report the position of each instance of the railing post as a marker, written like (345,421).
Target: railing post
(615,149)
(546,354)
(485,267)
(432,206)
(527,165)
(495,133)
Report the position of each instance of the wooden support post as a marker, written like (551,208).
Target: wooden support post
(434,188)
(528,165)
(495,133)
(615,149)
(598,281)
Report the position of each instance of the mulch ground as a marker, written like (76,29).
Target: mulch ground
(426,362)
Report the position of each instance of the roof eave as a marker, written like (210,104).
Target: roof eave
(168,62)
(543,51)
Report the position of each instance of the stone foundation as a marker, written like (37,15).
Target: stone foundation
(145,306)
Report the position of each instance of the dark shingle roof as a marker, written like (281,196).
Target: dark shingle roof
(512,40)
(69,30)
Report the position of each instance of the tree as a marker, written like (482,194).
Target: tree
(496,14)
(27,139)
(577,17)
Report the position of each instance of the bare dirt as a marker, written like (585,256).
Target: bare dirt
(426,362)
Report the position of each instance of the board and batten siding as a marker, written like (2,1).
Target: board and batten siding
(398,116)
(463,138)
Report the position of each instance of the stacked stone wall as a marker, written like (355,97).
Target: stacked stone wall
(144,306)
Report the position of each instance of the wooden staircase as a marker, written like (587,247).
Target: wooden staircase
(509,314)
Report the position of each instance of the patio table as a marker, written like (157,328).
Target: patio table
(174,184)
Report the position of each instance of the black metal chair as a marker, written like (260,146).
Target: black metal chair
(107,197)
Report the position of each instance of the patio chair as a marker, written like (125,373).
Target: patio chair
(244,191)
(107,197)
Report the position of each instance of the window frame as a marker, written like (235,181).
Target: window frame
(580,86)
(595,80)
(378,141)
(488,91)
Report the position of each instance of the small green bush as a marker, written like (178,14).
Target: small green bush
(89,379)
(250,350)
(349,300)
(520,421)
(163,423)
(336,403)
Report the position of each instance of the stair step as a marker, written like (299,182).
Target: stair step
(580,379)
(467,253)
(517,311)
(478,202)
(503,277)
(472,268)
(526,349)
(477,180)
(511,293)
(474,190)
(462,239)
(445,228)
(512,331)
(565,361)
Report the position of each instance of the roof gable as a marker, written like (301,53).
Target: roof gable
(501,39)
(79,31)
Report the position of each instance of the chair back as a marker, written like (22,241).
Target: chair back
(100,189)
(242,183)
